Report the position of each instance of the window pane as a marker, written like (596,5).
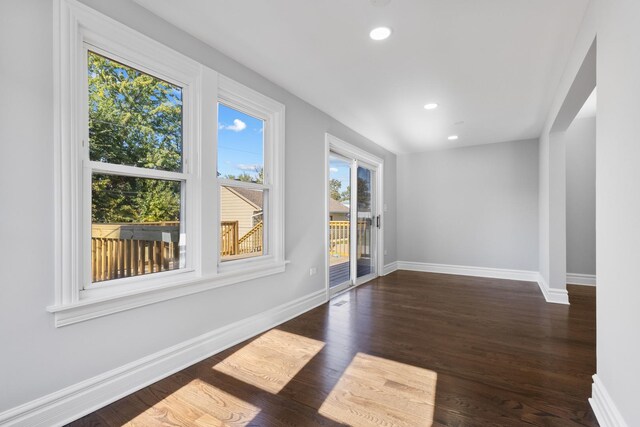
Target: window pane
(241,228)
(136,226)
(135,119)
(240,145)
(365,245)
(339,221)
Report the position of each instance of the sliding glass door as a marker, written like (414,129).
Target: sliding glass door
(339,222)
(353,222)
(366,227)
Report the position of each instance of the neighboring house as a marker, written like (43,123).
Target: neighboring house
(242,205)
(338,211)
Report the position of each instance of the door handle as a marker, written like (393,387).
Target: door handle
(378,221)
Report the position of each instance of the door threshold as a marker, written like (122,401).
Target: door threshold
(350,288)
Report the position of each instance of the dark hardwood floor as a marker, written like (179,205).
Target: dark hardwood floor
(409,349)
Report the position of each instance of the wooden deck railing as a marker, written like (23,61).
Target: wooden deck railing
(134,249)
(339,238)
(251,242)
(339,233)
(229,238)
(125,250)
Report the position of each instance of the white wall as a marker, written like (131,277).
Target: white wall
(618,204)
(36,358)
(472,206)
(552,215)
(580,141)
(575,86)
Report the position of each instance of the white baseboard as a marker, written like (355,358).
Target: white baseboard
(581,279)
(603,407)
(390,268)
(496,273)
(556,296)
(71,403)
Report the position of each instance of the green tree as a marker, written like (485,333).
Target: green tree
(134,119)
(345,196)
(247,177)
(364,195)
(334,189)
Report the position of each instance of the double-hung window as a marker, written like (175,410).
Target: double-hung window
(136,170)
(250,176)
(247,127)
(169,176)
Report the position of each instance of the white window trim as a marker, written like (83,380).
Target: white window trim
(190,81)
(257,105)
(75,24)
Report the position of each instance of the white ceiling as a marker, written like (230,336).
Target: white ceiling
(492,64)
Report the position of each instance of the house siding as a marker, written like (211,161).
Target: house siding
(235,208)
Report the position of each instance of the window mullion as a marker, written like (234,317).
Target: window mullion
(208,190)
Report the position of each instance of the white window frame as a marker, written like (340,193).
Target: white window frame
(355,155)
(77,27)
(259,106)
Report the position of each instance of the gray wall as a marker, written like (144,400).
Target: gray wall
(472,206)
(618,204)
(576,84)
(37,358)
(581,196)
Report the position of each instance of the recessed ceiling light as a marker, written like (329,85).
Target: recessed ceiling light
(380,33)
(453,137)
(431,106)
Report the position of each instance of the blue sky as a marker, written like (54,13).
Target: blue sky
(339,169)
(240,142)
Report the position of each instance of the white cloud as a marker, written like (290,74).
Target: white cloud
(244,167)
(237,126)
(334,170)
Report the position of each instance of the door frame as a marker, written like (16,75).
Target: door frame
(345,149)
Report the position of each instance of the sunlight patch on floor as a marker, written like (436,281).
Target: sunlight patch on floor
(376,391)
(202,404)
(270,361)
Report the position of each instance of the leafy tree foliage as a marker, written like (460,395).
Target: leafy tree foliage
(247,177)
(345,196)
(334,189)
(364,195)
(134,119)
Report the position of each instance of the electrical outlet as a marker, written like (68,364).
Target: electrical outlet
(313,271)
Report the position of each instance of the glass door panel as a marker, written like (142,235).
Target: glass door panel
(339,222)
(365,212)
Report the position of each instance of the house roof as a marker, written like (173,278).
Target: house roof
(254,197)
(337,207)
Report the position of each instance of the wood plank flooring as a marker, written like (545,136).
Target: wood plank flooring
(409,349)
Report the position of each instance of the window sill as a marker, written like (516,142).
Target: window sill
(68,314)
